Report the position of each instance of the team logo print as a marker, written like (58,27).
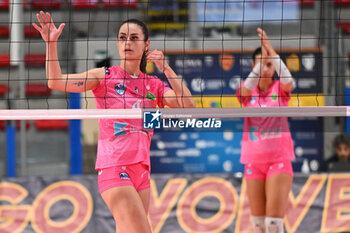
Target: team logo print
(252,100)
(120,88)
(136,90)
(124,176)
(249,171)
(150,96)
(151,120)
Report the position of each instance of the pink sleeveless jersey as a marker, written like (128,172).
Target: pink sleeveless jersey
(124,141)
(266,139)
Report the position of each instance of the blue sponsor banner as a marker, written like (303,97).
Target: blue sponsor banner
(198,150)
(219,75)
(219,150)
(307,134)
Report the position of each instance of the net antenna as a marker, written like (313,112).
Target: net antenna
(16,44)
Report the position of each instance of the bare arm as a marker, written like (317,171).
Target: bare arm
(244,92)
(251,82)
(180,96)
(56,80)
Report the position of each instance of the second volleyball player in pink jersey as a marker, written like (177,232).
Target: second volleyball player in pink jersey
(123,158)
(267,146)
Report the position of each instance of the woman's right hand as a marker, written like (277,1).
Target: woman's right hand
(47,28)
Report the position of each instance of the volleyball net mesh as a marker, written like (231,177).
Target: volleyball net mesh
(209,45)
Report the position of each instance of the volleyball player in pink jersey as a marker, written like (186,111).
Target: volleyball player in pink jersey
(123,159)
(267,146)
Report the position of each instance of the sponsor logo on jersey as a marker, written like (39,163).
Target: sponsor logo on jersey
(252,100)
(252,132)
(120,128)
(274,96)
(249,171)
(120,88)
(150,96)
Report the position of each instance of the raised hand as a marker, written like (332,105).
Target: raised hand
(265,43)
(157,57)
(47,28)
(264,55)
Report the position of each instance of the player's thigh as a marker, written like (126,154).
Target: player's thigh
(256,196)
(127,209)
(145,195)
(277,191)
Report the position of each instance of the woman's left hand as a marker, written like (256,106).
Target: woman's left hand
(265,43)
(157,57)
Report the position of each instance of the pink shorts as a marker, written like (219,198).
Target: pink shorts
(262,171)
(136,175)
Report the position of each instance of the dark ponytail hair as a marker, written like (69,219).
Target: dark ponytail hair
(143,63)
(144,29)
